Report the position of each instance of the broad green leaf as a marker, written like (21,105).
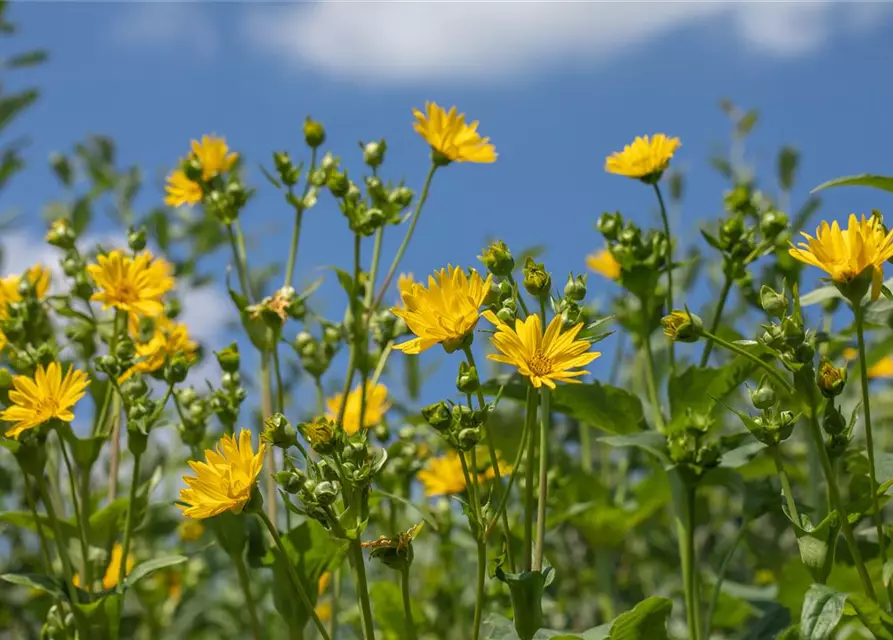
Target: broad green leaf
(498,627)
(822,611)
(25,520)
(387,608)
(697,389)
(770,625)
(884,183)
(650,441)
(648,619)
(144,569)
(38,581)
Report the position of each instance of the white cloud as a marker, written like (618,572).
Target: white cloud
(165,24)
(478,40)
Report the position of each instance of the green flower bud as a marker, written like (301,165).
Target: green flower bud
(176,370)
(373,153)
(498,259)
(230,379)
(830,379)
(763,397)
(506,315)
(805,352)
(228,358)
(291,481)
(682,326)
(83,287)
(61,234)
(321,434)
(136,238)
(402,197)
(792,331)
(537,280)
(288,173)
(107,364)
(326,492)
(72,265)
(125,351)
(731,232)
(338,183)
(575,289)
(467,381)
(305,344)
(381,432)
(833,421)
(135,387)
(463,416)
(314,133)
(468,438)
(438,415)
(610,225)
(186,396)
(279,432)
(772,337)
(772,223)
(773,303)
(192,168)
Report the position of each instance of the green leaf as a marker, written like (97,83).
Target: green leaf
(47,584)
(526,591)
(884,183)
(822,611)
(650,441)
(29,59)
(697,389)
(25,520)
(80,215)
(144,569)
(648,619)
(102,616)
(498,627)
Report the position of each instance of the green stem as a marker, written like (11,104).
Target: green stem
(869,440)
(479,588)
(686,525)
(650,378)
(296,232)
(44,547)
(723,296)
(128,524)
(373,271)
(522,445)
(80,516)
(412,223)
(749,356)
(359,567)
(354,342)
(245,583)
(240,265)
(785,484)
(320,396)
(519,299)
(494,462)
(837,500)
(68,573)
(544,480)
(336,602)
(585,446)
(296,581)
(530,419)
(266,399)
(407,603)
(721,576)
(120,318)
(666,221)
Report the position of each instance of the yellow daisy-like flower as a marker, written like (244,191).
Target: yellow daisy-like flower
(844,255)
(190,530)
(449,136)
(213,155)
(48,395)
(883,368)
(445,312)
(376,406)
(225,481)
(324,609)
(38,276)
(135,285)
(180,190)
(443,476)
(604,263)
(644,158)
(170,339)
(544,359)
(110,579)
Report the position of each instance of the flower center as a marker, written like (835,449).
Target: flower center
(126,292)
(47,408)
(539,364)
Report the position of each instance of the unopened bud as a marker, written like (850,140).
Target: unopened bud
(498,259)
(314,133)
(438,415)
(228,358)
(177,369)
(575,288)
(830,379)
(61,234)
(291,481)
(537,280)
(338,183)
(320,433)
(136,238)
(610,225)
(763,397)
(774,303)
(279,432)
(467,381)
(468,438)
(682,326)
(373,153)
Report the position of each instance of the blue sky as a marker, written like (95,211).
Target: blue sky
(557,87)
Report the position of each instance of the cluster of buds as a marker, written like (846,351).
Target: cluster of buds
(142,412)
(316,354)
(317,491)
(195,411)
(459,425)
(689,447)
(226,401)
(384,204)
(773,426)
(224,195)
(786,336)
(27,328)
(502,298)
(385,327)
(831,381)
(642,258)
(275,310)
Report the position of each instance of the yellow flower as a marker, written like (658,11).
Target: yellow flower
(225,481)
(644,158)
(844,255)
(135,285)
(448,135)
(883,368)
(850,353)
(110,579)
(170,339)
(443,476)
(181,190)
(405,281)
(38,276)
(544,359)
(190,530)
(213,155)
(376,406)
(604,263)
(324,609)
(445,312)
(46,396)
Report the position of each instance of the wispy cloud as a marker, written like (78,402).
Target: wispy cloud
(403,42)
(170,25)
